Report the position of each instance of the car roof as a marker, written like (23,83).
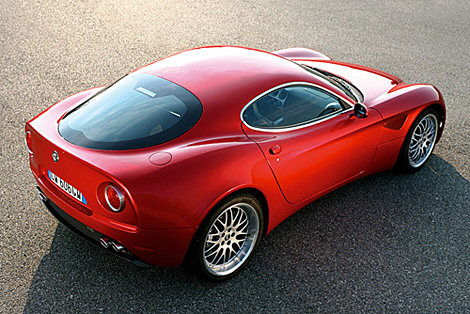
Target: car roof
(226,78)
(222,71)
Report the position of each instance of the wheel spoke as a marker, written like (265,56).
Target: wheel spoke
(420,153)
(213,256)
(212,241)
(413,146)
(216,227)
(225,221)
(232,251)
(236,247)
(414,153)
(230,222)
(236,219)
(209,254)
(220,257)
(430,133)
(242,224)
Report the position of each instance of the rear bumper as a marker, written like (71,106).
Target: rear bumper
(88,233)
(143,247)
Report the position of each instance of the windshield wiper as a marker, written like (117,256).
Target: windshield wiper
(336,79)
(342,82)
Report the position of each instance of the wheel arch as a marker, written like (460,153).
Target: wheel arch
(400,163)
(264,206)
(255,192)
(442,117)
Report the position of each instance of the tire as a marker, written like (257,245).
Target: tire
(419,142)
(228,237)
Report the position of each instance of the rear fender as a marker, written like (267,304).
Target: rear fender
(181,193)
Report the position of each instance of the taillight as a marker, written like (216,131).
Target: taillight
(29,142)
(114,198)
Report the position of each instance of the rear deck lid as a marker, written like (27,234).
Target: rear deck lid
(73,179)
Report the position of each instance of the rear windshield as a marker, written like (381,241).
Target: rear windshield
(139,110)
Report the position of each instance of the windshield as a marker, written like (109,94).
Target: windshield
(139,110)
(348,88)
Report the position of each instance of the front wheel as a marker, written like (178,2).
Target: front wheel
(419,142)
(228,237)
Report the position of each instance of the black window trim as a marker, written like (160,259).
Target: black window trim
(307,123)
(79,104)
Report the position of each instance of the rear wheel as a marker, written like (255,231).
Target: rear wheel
(419,142)
(228,237)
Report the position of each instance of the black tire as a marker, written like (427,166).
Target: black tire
(419,142)
(220,248)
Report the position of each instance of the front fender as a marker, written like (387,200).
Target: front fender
(402,104)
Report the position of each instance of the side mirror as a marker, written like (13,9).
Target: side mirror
(360,111)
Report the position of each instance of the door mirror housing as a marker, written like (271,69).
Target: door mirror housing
(360,111)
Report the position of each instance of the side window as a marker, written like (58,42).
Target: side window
(291,106)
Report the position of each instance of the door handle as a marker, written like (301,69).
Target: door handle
(276,149)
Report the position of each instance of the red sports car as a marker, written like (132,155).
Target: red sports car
(199,155)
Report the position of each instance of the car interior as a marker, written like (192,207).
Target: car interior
(291,106)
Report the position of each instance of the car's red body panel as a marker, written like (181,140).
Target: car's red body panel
(166,203)
(301,53)
(326,144)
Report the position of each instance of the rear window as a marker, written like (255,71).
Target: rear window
(140,110)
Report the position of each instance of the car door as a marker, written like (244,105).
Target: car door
(310,138)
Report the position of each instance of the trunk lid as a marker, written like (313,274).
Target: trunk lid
(76,175)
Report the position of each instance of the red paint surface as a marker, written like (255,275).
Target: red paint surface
(166,203)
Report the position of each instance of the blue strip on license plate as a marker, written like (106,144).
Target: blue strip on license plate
(66,187)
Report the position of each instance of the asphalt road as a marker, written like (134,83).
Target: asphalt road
(388,243)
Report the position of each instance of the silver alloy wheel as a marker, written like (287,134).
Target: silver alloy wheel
(231,239)
(422,140)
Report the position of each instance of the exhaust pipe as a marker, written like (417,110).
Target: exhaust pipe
(104,241)
(42,196)
(107,243)
(117,247)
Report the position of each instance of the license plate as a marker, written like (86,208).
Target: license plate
(66,187)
